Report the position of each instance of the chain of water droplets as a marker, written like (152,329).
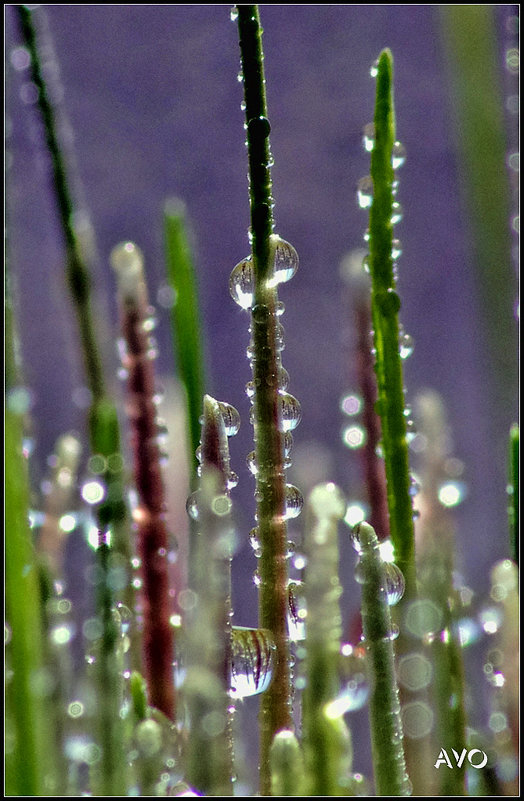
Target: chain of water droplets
(242,290)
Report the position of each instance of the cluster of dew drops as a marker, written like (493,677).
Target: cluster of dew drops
(242,290)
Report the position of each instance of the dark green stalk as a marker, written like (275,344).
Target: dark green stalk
(207,685)
(185,317)
(327,742)
(513,492)
(385,307)
(384,707)
(276,701)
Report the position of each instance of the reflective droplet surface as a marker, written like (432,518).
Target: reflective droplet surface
(285,262)
(231,418)
(251,463)
(368,136)
(252,661)
(294,502)
(397,213)
(395,583)
(297,611)
(242,283)
(398,155)
(406,346)
(365,192)
(192,505)
(290,411)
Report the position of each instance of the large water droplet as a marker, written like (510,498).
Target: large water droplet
(285,262)
(242,283)
(192,505)
(365,192)
(395,583)
(290,411)
(252,661)
(231,418)
(294,502)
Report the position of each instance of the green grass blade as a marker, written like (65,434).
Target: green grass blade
(185,318)
(385,306)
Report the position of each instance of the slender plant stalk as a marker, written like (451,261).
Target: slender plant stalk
(185,317)
(385,307)
(471,50)
(384,708)
(152,534)
(287,766)
(26,759)
(513,492)
(327,741)
(435,565)
(208,625)
(270,483)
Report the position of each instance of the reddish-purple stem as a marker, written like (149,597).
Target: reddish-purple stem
(153,545)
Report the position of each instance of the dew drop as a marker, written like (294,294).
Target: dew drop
(396,249)
(395,583)
(398,155)
(242,283)
(368,137)
(288,443)
(254,541)
(251,463)
(283,378)
(397,213)
(252,661)
(373,70)
(233,14)
(406,346)
(365,192)
(297,611)
(231,418)
(285,262)
(290,411)
(192,506)
(294,502)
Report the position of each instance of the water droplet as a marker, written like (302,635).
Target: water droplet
(354,684)
(192,505)
(252,661)
(285,262)
(396,249)
(406,346)
(389,302)
(368,136)
(294,502)
(280,308)
(297,611)
(251,463)
(283,378)
(259,126)
(290,411)
(397,213)
(288,443)
(234,14)
(232,480)
(373,70)
(398,155)
(365,192)
(395,583)
(242,283)
(231,418)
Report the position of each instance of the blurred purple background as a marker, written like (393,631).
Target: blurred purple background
(152,98)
